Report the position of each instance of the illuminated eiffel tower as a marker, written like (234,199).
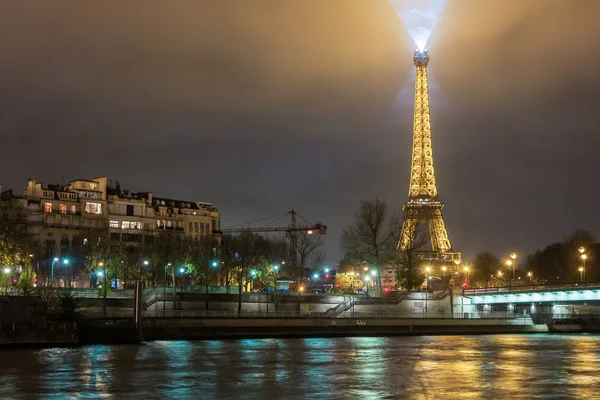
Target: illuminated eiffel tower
(423,206)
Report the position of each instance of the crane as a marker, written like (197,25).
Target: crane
(290,230)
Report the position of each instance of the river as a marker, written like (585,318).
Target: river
(419,367)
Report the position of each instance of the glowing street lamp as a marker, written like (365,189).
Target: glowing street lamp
(530,275)
(582,273)
(509,264)
(6,271)
(466,269)
(513,257)
(65,261)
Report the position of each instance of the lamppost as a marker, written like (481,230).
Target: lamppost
(143,264)
(54,260)
(6,272)
(582,274)
(214,264)
(165,289)
(530,275)
(584,257)
(275,269)
(375,281)
(466,269)
(513,257)
(65,261)
(509,264)
(252,275)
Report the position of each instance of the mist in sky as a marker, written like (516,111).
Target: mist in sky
(419,17)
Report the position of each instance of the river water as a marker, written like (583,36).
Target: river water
(420,367)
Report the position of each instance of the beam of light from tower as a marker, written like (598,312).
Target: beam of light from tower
(419,18)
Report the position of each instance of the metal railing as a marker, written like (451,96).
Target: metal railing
(530,288)
(116,314)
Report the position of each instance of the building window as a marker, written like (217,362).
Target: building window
(114,224)
(131,225)
(93,208)
(129,210)
(196,226)
(83,184)
(191,227)
(73,209)
(93,186)
(47,207)
(62,208)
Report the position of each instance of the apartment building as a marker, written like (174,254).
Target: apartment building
(57,214)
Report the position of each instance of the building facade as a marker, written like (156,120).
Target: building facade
(58,214)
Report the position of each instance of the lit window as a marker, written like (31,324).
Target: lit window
(114,224)
(47,207)
(73,209)
(93,208)
(92,186)
(135,225)
(62,208)
(125,225)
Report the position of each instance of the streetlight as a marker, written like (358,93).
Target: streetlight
(144,263)
(367,280)
(54,260)
(582,274)
(513,256)
(584,257)
(466,269)
(6,272)
(509,264)
(253,275)
(530,275)
(165,289)
(65,261)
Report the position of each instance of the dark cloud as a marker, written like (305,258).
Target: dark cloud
(264,106)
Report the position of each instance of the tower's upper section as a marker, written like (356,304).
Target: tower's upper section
(421,58)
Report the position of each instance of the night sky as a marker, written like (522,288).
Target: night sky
(267,105)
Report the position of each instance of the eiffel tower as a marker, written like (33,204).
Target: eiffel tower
(424,206)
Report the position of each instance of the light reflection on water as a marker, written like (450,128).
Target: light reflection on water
(425,367)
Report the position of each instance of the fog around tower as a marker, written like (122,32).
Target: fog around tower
(419,17)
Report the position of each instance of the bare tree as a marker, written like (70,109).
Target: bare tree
(409,273)
(370,237)
(485,266)
(308,254)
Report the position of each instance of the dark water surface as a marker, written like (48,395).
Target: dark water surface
(425,367)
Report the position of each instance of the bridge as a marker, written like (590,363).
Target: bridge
(568,292)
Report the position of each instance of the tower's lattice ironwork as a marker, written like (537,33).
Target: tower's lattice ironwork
(423,206)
